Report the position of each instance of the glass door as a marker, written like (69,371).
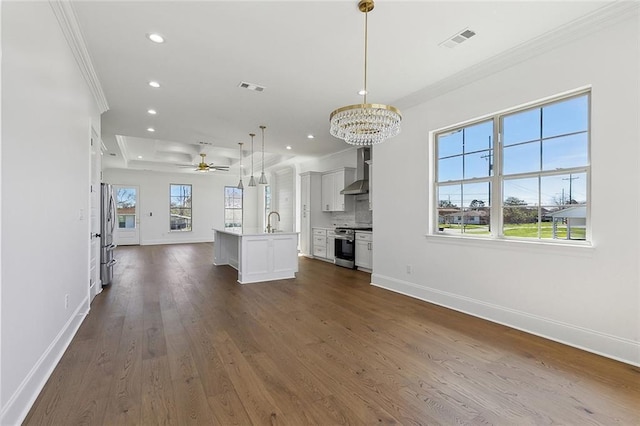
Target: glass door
(127,230)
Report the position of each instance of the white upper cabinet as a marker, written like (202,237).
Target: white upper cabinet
(328,197)
(332,184)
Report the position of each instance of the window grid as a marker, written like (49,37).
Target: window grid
(180,207)
(267,203)
(508,217)
(233,208)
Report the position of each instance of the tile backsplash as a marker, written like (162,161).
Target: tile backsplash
(360,216)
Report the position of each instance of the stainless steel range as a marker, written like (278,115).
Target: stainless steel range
(345,253)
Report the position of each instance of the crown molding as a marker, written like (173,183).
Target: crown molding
(63,10)
(122,144)
(595,21)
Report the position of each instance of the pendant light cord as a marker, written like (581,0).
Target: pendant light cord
(252,135)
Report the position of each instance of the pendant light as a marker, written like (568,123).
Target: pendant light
(263,178)
(252,181)
(240,185)
(365,124)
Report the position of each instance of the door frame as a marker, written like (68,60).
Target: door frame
(95,163)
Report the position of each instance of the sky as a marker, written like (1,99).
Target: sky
(538,139)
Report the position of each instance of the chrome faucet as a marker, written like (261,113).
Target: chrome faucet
(269,227)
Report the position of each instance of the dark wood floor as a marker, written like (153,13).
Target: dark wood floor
(175,340)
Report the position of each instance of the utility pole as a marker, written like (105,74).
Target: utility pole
(489,157)
(570,179)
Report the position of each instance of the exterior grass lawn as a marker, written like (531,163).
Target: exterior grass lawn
(521,230)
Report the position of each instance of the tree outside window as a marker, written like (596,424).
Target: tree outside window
(126,208)
(232,208)
(180,211)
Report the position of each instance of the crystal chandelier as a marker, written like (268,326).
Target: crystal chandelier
(365,124)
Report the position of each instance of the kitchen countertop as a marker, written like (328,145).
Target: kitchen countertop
(253,232)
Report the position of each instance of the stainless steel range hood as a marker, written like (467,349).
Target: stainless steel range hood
(361,185)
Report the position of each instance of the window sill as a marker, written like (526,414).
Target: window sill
(578,247)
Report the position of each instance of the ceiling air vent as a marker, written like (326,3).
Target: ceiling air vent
(251,86)
(459,37)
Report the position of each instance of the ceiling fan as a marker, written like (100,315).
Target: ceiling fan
(207,167)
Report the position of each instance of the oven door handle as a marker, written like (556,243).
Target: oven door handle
(339,237)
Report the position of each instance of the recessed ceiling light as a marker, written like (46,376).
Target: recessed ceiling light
(151,129)
(288,146)
(154,84)
(155,37)
(152,111)
(139,156)
(310,136)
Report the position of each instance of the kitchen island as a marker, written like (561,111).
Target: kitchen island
(257,256)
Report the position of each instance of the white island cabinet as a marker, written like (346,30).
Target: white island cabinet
(257,256)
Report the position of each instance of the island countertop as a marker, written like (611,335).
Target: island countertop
(257,256)
(252,232)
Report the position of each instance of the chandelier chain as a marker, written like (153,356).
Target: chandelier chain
(366,51)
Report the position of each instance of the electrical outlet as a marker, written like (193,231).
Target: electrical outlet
(66,301)
(409,269)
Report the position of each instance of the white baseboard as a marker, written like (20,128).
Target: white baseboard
(18,406)
(620,349)
(159,242)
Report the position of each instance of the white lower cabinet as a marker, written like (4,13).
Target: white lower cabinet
(364,250)
(319,243)
(324,244)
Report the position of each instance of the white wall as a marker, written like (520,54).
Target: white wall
(251,205)
(284,199)
(208,203)
(47,114)
(338,160)
(586,297)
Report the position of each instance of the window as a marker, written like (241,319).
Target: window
(126,207)
(232,208)
(533,184)
(267,203)
(180,207)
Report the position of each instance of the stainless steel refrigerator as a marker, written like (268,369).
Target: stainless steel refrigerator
(107,227)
